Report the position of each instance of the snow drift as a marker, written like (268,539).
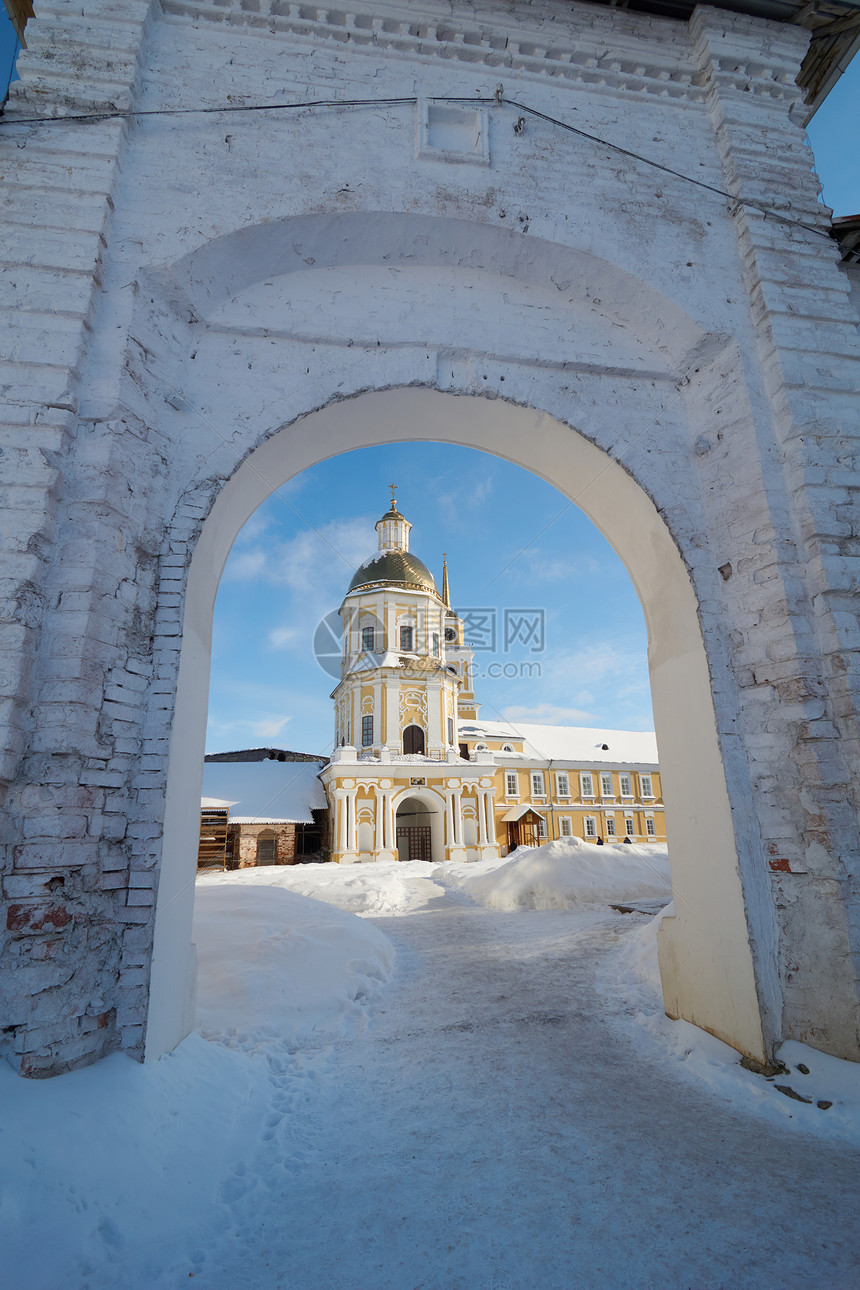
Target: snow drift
(275,963)
(563,874)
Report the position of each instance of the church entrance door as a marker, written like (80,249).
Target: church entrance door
(413,740)
(413,831)
(413,841)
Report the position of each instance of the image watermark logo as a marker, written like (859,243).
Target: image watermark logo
(328,644)
(485,628)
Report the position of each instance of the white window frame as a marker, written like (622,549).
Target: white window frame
(628,780)
(511,777)
(366,731)
(586,783)
(565,826)
(542,833)
(646,786)
(562,783)
(365,632)
(629,826)
(606,776)
(451,731)
(538,783)
(650,827)
(436,651)
(610,827)
(589,826)
(410,648)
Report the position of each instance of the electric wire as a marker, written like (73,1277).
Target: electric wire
(498,100)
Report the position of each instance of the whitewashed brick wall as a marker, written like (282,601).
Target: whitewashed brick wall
(713,350)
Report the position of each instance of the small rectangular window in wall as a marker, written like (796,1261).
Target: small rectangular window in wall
(511,786)
(406,639)
(436,644)
(586,784)
(367,638)
(562,784)
(451,731)
(606,784)
(629,826)
(565,827)
(645,785)
(590,826)
(538,789)
(649,828)
(366,731)
(626,786)
(610,827)
(541,827)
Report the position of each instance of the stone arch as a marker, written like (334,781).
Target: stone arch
(432,804)
(709,973)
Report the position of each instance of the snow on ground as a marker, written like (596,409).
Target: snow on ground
(633,973)
(368,889)
(274,964)
(563,875)
(503,1107)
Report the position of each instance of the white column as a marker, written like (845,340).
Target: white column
(458,817)
(435,702)
(340,802)
(449,813)
(390,823)
(483,805)
(392,714)
(377,713)
(350,818)
(380,819)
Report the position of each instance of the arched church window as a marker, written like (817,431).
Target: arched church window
(413,740)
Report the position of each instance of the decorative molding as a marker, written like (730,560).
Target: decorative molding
(546,50)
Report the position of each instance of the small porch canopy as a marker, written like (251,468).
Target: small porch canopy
(522,822)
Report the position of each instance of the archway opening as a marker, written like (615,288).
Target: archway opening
(413,830)
(706,959)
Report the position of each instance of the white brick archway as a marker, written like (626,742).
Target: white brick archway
(651,297)
(707,963)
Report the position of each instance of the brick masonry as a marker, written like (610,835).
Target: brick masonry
(711,347)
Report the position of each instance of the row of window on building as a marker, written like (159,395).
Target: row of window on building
(586,784)
(407,641)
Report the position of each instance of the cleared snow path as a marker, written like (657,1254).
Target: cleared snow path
(439,1095)
(493,1129)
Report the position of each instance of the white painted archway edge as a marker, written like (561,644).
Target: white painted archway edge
(706,960)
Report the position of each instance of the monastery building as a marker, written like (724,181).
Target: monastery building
(416,776)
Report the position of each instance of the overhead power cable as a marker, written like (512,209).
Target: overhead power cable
(498,100)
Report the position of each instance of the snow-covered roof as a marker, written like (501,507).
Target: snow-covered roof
(578,744)
(266,792)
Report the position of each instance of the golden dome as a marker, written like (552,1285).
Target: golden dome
(401,568)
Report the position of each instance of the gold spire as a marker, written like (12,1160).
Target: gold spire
(393,488)
(446,598)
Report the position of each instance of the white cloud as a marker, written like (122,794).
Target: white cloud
(287,637)
(316,562)
(537,565)
(548,714)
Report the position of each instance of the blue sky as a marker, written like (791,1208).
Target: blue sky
(576,653)
(293,560)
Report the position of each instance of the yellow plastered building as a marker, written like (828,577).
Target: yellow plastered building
(416,776)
